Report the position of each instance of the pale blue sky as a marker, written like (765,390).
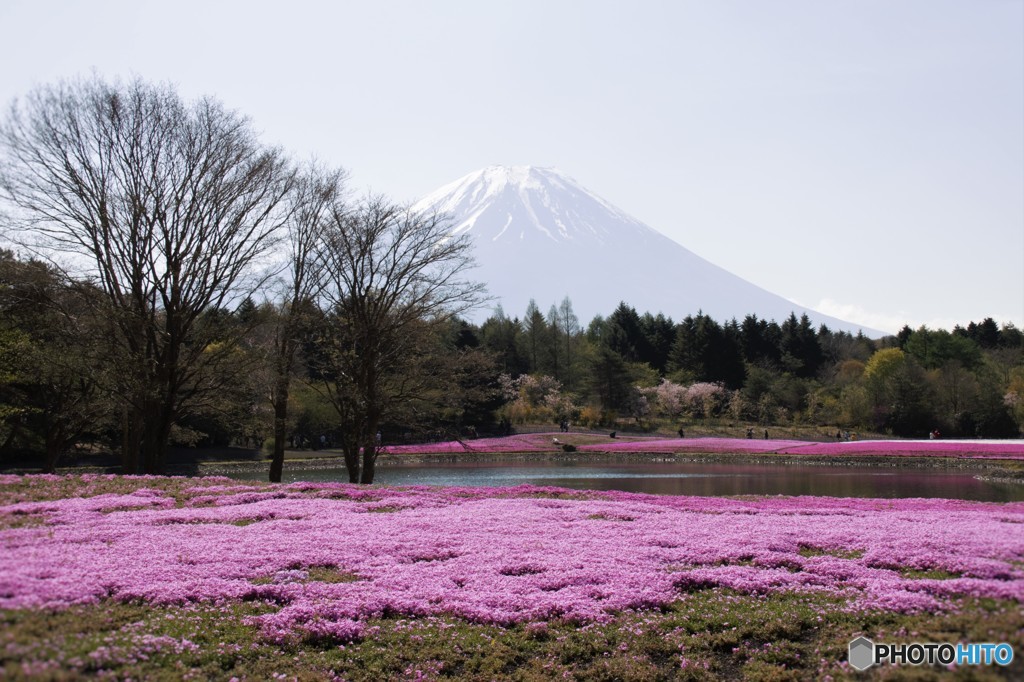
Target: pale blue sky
(864,158)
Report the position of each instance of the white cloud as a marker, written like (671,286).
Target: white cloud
(887,322)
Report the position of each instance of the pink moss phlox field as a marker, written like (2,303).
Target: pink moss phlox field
(496,555)
(519,443)
(977,449)
(693,445)
(544,442)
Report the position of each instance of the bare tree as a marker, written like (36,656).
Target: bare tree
(314,200)
(168,204)
(392,277)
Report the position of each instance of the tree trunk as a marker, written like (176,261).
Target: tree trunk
(150,431)
(352,463)
(131,426)
(54,449)
(280,428)
(156,431)
(369,463)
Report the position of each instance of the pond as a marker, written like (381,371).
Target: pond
(687,478)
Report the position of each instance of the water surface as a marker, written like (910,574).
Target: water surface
(687,478)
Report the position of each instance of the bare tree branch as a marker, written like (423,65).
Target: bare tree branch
(391,279)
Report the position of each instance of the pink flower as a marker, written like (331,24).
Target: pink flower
(496,555)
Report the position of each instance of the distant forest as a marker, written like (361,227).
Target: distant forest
(966,382)
(191,286)
(59,375)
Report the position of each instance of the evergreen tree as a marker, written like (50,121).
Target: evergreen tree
(903,336)
(801,352)
(535,332)
(609,378)
(1011,337)
(625,334)
(703,351)
(503,338)
(659,335)
(553,345)
(759,340)
(985,334)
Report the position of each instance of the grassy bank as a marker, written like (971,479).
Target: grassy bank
(710,634)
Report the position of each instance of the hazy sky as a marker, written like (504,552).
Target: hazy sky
(861,157)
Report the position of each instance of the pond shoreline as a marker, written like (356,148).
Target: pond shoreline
(987,469)
(985,460)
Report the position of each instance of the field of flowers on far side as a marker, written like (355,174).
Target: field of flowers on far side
(150,576)
(588,442)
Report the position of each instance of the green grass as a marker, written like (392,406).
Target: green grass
(39,489)
(929,574)
(315,574)
(18,520)
(711,634)
(807,551)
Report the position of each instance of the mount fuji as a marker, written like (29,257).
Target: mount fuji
(540,235)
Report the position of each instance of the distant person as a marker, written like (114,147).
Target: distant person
(750,433)
(839,435)
(681,434)
(766,434)
(612,434)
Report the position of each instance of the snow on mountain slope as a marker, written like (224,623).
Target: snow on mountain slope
(540,235)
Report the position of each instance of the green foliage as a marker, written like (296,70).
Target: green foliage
(50,365)
(801,352)
(660,333)
(310,415)
(903,403)
(933,349)
(609,378)
(705,351)
(794,373)
(623,333)
(785,374)
(502,337)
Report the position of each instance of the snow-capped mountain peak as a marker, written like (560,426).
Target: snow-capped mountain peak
(498,203)
(541,235)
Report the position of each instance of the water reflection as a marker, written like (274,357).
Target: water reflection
(688,478)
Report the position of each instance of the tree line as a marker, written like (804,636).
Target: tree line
(967,382)
(174,281)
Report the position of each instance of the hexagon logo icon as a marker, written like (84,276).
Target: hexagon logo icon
(862,653)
